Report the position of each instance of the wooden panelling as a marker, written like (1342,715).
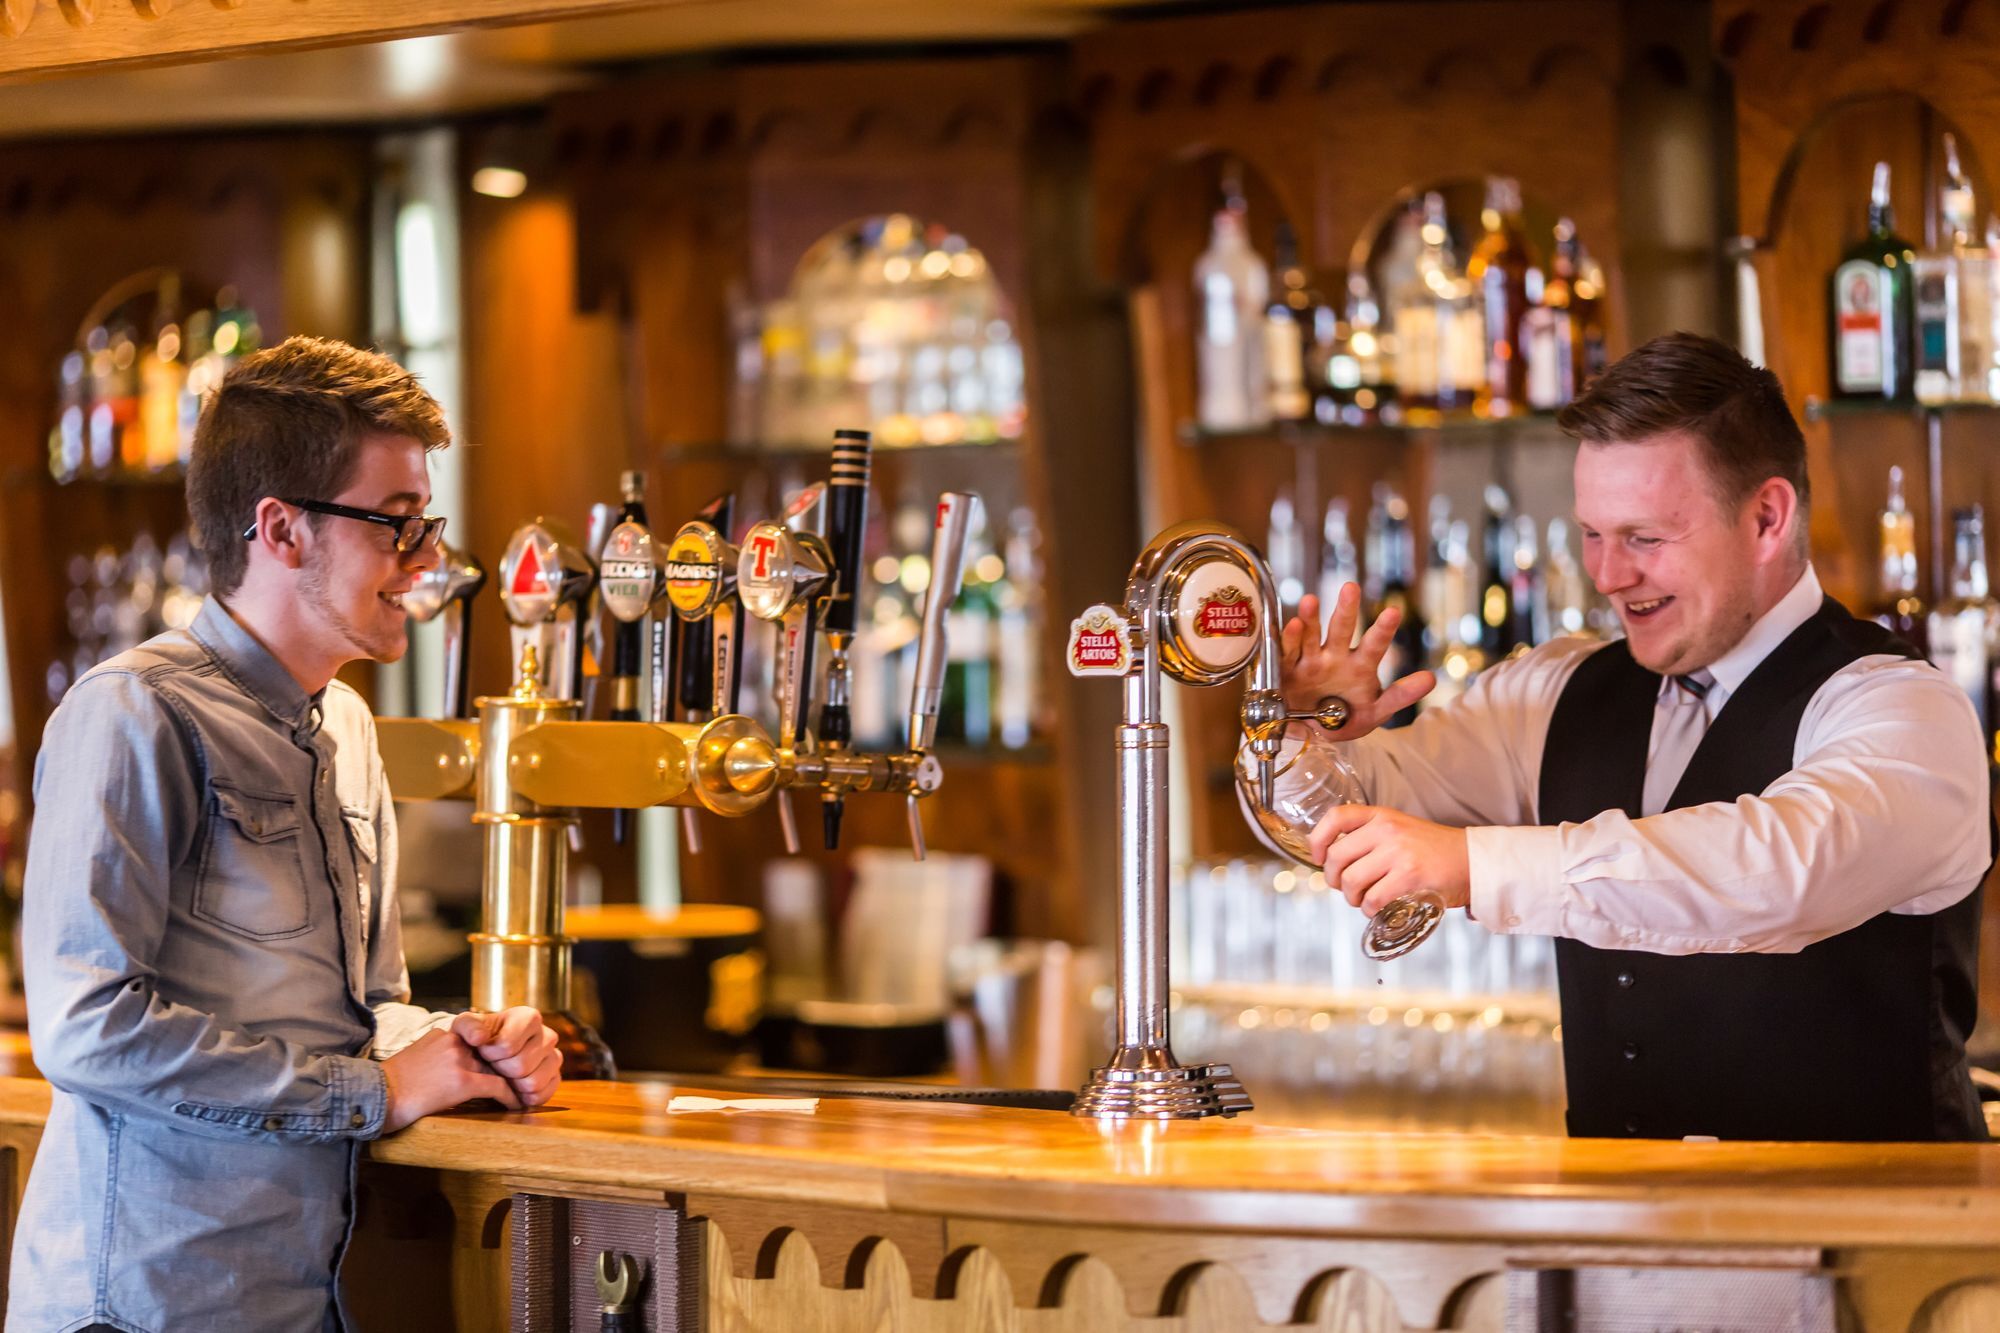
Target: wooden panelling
(79,218)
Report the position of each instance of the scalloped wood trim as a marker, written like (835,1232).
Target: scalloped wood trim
(51,36)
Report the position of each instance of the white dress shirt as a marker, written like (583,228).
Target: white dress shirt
(1885,808)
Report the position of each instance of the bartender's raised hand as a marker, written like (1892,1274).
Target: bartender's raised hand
(436,1072)
(1373,855)
(1314,666)
(519,1047)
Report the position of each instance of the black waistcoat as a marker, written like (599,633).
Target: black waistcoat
(1857,1037)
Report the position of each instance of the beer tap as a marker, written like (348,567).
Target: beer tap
(1200,606)
(695,655)
(545,583)
(780,575)
(628,583)
(448,589)
(847,522)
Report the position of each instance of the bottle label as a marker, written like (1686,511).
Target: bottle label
(1284,360)
(1860,326)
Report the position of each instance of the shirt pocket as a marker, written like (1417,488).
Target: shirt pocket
(252,878)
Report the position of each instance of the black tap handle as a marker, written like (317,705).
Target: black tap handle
(846,525)
(831,808)
(694,643)
(461,701)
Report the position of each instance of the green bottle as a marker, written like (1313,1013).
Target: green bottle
(1871,307)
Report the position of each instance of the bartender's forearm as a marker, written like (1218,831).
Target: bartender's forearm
(1810,858)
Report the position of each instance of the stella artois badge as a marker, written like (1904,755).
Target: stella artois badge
(626,571)
(1099,644)
(694,570)
(1226,613)
(1217,616)
(529,575)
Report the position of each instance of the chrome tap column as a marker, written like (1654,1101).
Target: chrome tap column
(1200,605)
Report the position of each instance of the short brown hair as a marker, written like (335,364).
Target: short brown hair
(288,422)
(1683,382)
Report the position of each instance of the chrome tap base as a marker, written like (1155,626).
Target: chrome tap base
(1181,1092)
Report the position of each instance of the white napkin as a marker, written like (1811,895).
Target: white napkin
(743,1104)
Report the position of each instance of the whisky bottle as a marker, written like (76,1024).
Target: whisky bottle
(1289,332)
(1959,629)
(1553,332)
(1497,623)
(1900,608)
(1871,306)
(1231,291)
(1500,273)
(1954,299)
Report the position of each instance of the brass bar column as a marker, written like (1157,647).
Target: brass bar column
(520,956)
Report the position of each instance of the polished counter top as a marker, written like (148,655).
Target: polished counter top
(936,1158)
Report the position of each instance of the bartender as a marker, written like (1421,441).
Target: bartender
(1756,825)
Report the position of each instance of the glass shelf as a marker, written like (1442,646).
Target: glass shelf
(1455,428)
(1823,409)
(722,452)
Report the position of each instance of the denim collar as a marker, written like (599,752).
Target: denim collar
(250,664)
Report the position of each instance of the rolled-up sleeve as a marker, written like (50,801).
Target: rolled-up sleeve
(1885,810)
(118,802)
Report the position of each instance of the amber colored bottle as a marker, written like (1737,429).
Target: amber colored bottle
(1499,273)
(1901,608)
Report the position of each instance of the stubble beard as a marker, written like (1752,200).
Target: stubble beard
(315,590)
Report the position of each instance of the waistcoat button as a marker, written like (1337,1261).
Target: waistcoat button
(1626,979)
(1631,1050)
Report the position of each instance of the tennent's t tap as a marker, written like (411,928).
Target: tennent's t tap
(780,575)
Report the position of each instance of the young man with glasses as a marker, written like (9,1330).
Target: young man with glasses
(213,956)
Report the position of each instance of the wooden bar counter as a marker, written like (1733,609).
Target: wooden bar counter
(916,1215)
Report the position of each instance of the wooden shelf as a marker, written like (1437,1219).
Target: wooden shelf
(708,451)
(1448,429)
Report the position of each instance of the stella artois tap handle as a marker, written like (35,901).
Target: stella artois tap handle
(846,524)
(957,512)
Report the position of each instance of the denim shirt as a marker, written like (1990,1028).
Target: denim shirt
(214,966)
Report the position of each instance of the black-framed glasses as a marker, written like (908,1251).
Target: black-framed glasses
(413,531)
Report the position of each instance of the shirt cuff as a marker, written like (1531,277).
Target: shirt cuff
(1517,879)
(364,1099)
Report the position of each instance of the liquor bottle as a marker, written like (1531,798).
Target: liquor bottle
(1954,299)
(1500,272)
(1553,332)
(1959,629)
(1374,356)
(1285,547)
(127,429)
(1900,609)
(1871,306)
(1018,657)
(1399,576)
(1527,594)
(1435,597)
(1290,334)
(67,441)
(1497,623)
(162,378)
(1339,562)
(1232,288)
(1416,301)
(965,714)
(1375,542)
(1568,590)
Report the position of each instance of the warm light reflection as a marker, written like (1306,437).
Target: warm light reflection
(500,182)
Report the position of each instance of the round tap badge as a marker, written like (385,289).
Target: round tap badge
(625,572)
(767,571)
(694,570)
(1217,615)
(529,575)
